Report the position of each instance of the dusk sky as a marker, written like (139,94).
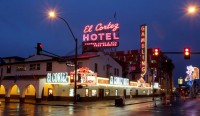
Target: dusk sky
(24,23)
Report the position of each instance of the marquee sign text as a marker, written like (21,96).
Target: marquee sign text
(119,81)
(61,77)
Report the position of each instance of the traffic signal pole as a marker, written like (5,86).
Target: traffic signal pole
(180,52)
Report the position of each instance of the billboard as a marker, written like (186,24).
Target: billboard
(100,36)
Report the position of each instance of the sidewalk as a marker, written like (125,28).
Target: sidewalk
(128,101)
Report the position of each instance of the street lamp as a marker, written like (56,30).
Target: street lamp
(193,9)
(52,14)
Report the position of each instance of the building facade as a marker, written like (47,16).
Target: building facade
(43,77)
(159,66)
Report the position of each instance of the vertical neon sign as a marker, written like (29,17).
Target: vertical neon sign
(143,49)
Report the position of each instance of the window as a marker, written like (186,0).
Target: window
(8,69)
(28,89)
(107,92)
(143,91)
(49,66)
(96,67)
(94,92)
(71,92)
(18,90)
(21,68)
(86,92)
(34,66)
(116,92)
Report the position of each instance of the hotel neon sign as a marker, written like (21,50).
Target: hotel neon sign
(101,35)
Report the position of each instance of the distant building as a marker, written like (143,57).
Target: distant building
(131,67)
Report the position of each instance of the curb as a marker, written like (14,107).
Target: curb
(73,104)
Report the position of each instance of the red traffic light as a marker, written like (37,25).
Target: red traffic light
(156,51)
(40,45)
(39,48)
(187,53)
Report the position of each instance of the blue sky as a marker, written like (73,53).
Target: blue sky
(24,23)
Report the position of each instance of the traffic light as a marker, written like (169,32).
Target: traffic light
(39,48)
(187,53)
(156,51)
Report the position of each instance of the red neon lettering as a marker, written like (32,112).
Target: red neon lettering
(94,37)
(142,51)
(88,28)
(102,44)
(142,45)
(143,69)
(142,28)
(143,58)
(142,34)
(142,40)
(101,35)
(100,27)
(85,37)
(143,63)
(108,36)
(115,37)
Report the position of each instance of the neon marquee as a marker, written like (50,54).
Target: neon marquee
(61,77)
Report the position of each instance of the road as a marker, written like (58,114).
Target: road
(190,107)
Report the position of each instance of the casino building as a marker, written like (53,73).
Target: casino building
(43,77)
(99,75)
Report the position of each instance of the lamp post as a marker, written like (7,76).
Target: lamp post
(52,14)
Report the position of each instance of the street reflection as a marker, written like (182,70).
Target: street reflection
(100,109)
(71,110)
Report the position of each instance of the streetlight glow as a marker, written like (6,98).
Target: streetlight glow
(52,14)
(192,9)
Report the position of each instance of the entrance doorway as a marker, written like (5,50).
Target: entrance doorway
(101,93)
(50,94)
(125,93)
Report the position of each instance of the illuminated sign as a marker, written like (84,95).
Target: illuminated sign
(57,77)
(119,81)
(133,84)
(101,44)
(192,73)
(156,85)
(143,49)
(180,81)
(101,35)
(87,78)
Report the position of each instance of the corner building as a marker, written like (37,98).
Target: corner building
(43,77)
